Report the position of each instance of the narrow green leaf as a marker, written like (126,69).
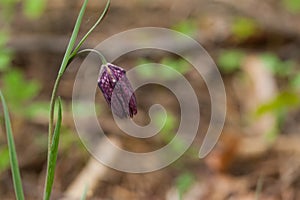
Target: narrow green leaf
(73,39)
(259,187)
(53,154)
(12,153)
(62,68)
(91,29)
(83,197)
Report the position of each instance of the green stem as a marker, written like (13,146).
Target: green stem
(62,69)
(103,60)
(63,66)
(69,55)
(52,105)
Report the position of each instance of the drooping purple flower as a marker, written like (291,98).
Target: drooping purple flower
(117,90)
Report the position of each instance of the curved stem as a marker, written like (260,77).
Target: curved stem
(69,55)
(52,105)
(62,69)
(103,60)
(64,64)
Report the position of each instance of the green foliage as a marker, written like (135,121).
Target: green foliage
(7,9)
(20,91)
(34,8)
(188,27)
(281,102)
(292,6)
(3,38)
(177,64)
(180,65)
(8,2)
(12,153)
(53,154)
(167,132)
(230,60)
(243,28)
(276,65)
(147,72)
(295,81)
(5,54)
(5,59)
(279,107)
(38,110)
(183,182)
(168,128)
(67,140)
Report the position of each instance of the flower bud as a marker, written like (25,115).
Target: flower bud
(113,80)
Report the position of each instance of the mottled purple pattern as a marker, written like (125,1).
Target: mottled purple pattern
(114,78)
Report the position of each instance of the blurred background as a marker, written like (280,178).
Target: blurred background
(256,47)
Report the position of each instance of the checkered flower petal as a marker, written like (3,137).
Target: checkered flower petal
(112,79)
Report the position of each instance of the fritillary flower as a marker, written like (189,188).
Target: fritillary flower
(112,79)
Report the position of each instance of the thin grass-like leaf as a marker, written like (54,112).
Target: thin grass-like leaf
(91,29)
(259,187)
(12,153)
(73,38)
(53,154)
(63,66)
(83,197)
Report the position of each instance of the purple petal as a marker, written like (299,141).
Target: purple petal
(113,79)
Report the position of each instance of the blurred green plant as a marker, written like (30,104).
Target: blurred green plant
(8,9)
(34,8)
(289,96)
(295,81)
(18,90)
(293,6)
(183,183)
(169,125)
(188,27)
(281,103)
(178,64)
(243,28)
(168,130)
(276,65)
(230,60)
(184,180)
(5,54)
(31,8)
(279,107)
